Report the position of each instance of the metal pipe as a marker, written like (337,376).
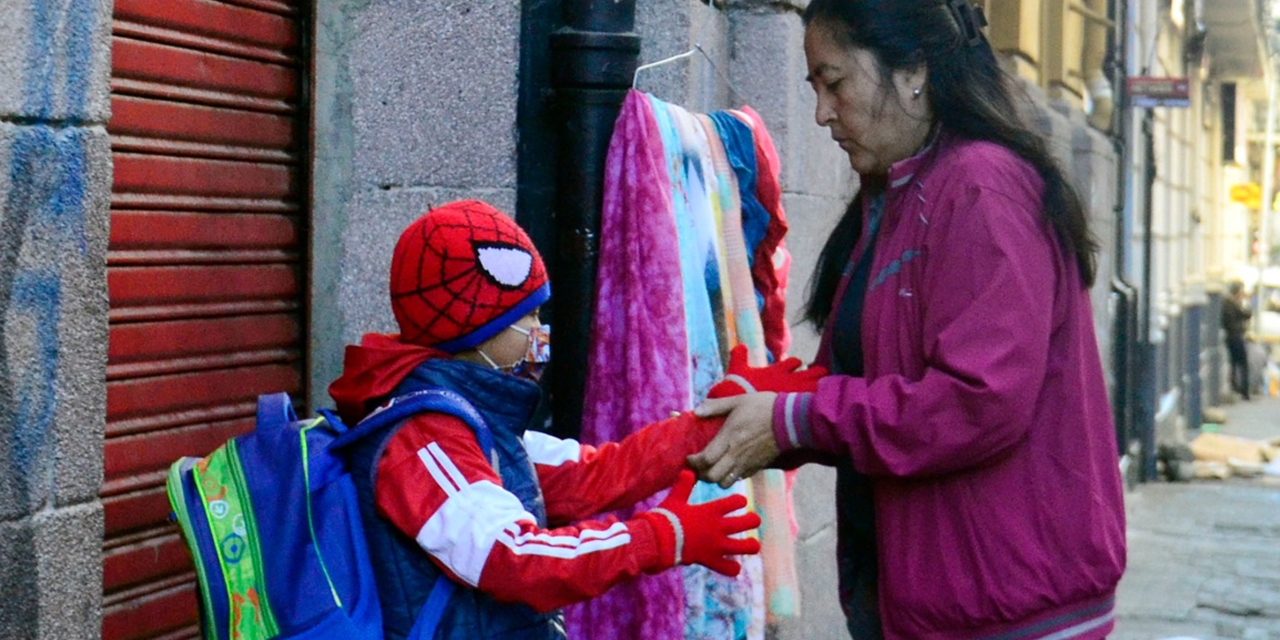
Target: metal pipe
(595,58)
(1147,360)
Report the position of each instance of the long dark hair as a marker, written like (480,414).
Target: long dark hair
(969,96)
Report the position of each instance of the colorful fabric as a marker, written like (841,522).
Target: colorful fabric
(461,273)
(988,355)
(720,607)
(772,262)
(780,585)
(696,238)
(740,148)
(637,333)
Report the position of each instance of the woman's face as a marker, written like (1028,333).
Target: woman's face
(877,121)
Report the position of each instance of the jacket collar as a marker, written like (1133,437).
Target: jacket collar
(902,172)
(494,393)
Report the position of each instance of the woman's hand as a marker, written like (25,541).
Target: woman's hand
(745,443)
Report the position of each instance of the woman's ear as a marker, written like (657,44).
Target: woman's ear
(912,82)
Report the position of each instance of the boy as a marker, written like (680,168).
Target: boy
(466,284)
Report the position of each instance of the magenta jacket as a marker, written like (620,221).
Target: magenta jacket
(983,417)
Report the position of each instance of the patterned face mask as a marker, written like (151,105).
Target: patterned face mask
(536,356)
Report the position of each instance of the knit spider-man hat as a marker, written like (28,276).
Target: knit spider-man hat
(461,273)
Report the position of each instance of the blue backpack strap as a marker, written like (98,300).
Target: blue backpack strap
(393,412)
(400,408)
(424,628)
(275,410)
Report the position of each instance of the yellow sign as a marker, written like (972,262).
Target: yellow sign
(1246,193)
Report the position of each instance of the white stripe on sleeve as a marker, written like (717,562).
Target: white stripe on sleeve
(566,547)
(438,474)
(447,464)
(461,533)
(549,450)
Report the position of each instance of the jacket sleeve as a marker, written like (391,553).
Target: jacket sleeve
(987,311)
(579,481)
(435,485)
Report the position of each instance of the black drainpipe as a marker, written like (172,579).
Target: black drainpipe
(1147,359)
(593,58)
(1124,338)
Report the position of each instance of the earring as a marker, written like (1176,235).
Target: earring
(915,93)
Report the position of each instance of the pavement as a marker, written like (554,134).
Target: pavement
(1204,556)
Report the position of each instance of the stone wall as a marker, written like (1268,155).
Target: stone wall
(55,186)
(415,105)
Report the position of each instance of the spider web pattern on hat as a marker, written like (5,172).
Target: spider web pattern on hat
(462,273)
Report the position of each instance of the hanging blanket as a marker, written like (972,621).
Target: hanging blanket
(637,332)
(772,263)
(769,487)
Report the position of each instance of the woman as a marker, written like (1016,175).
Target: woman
(966,413)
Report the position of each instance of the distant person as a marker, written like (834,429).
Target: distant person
(1235,321)
(978,492)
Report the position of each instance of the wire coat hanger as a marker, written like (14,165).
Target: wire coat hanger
(697,49)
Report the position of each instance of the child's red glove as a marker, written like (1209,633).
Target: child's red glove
(779,377)
(700,533)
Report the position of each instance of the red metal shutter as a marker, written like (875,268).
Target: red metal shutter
(205,269)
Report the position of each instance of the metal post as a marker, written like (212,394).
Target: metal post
(1146,419)
(594,56)
(1125,335)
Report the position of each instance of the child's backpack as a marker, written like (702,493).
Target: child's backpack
(274,528)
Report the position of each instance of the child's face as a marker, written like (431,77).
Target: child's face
(508,348)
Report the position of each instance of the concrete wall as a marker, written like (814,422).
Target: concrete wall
(415,105)
(55,189)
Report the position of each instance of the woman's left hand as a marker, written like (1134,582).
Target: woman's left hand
(745,443)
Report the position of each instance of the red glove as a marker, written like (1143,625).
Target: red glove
(779,377)
(699,533)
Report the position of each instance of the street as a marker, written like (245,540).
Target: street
(1204,561)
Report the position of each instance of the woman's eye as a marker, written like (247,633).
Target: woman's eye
(831,86)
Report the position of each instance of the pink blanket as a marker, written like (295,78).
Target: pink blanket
(638,330)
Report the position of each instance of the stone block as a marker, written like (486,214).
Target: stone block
(56,63)
(434,93)
(53,308)
(811,220)
(671,27)
(19,580)
(50,572)
(68,548)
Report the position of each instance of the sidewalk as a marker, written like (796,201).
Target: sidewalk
(1204,556)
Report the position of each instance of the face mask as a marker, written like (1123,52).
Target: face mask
(537,354)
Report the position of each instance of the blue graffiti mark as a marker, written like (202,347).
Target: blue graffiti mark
(44,212)
(37,298)
(71,26)
(80,39)
(48,173)
(40,58)
(66,209)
